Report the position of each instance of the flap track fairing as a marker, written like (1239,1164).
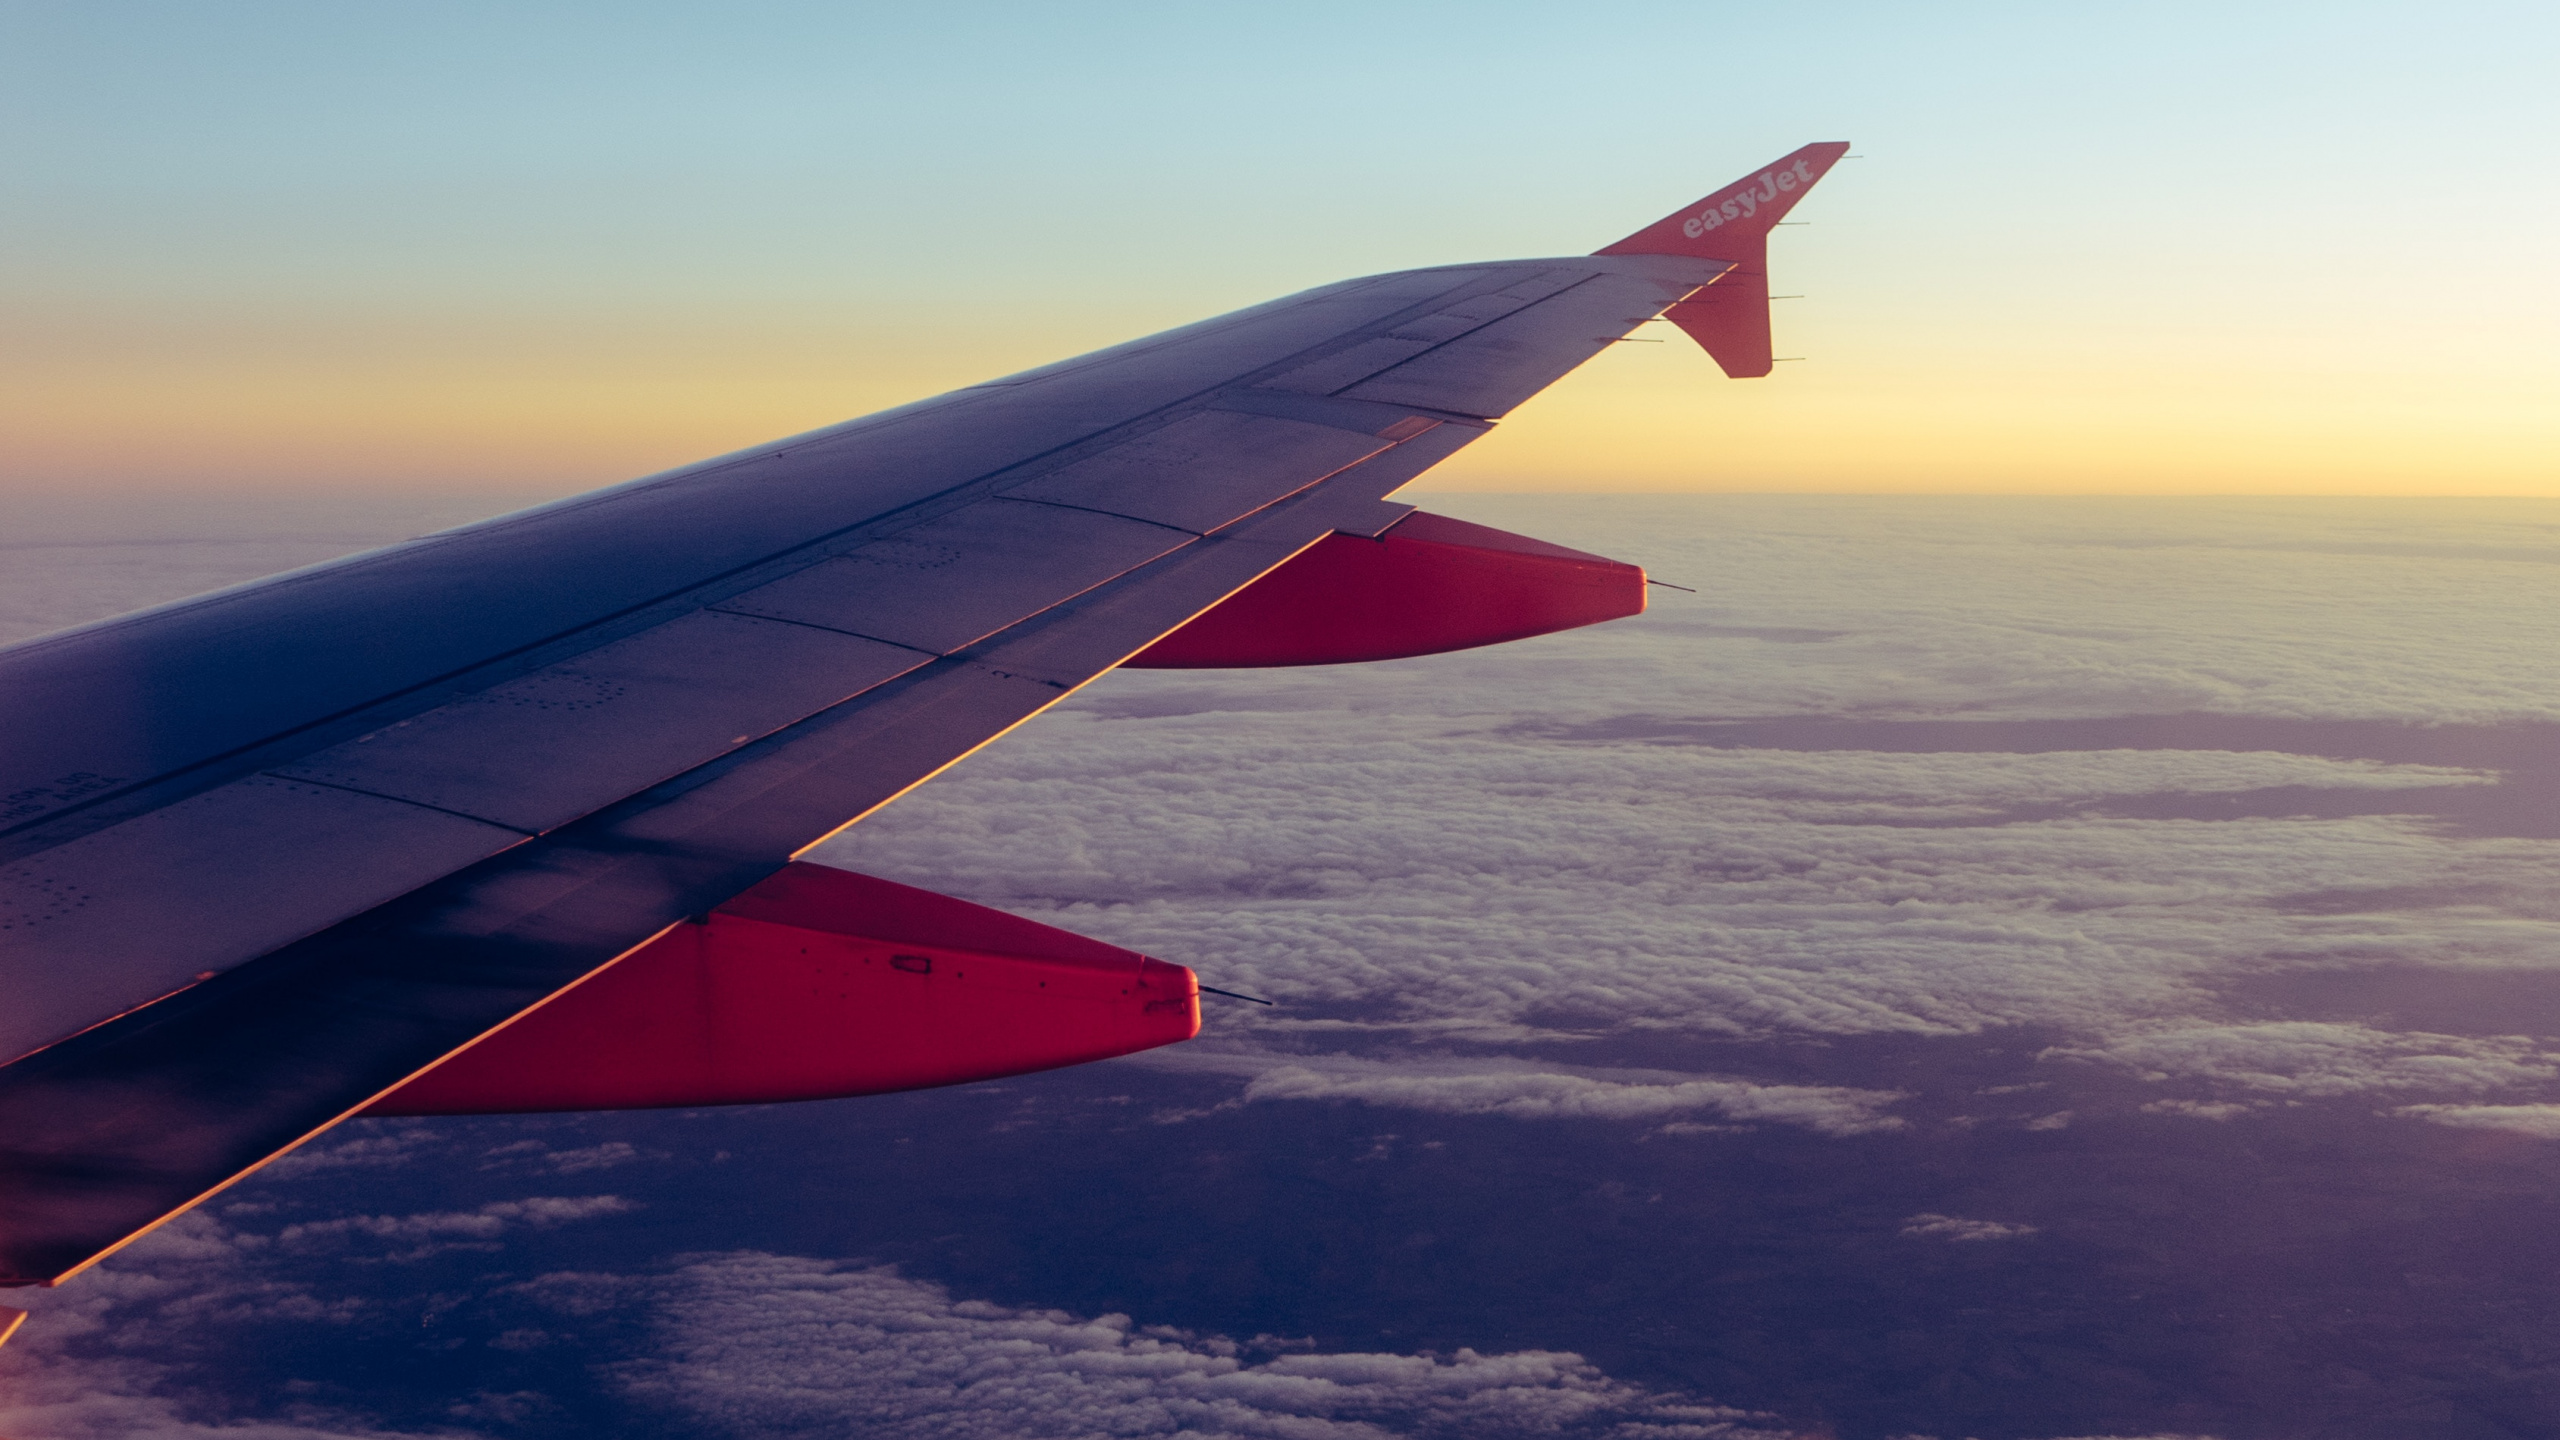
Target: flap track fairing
(814,984)
(1427,584)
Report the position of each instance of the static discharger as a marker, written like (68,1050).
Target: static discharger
(1232,995)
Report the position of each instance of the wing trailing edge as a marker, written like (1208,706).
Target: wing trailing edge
(1729,317)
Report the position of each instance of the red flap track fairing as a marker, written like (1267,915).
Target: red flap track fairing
(815,984)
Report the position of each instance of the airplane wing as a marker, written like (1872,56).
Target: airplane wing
(479,820)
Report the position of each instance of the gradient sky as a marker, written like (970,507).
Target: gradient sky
(2164,247)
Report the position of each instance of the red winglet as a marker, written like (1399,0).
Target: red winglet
(1730,317)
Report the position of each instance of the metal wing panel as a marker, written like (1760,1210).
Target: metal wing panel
(149,694)
(1489,371)
(1348,306)
(1413,336)
(1520,285)
(1358,416)
(105,1135)
(1205,469)
(103,709)
(636,711)
(1347,367)
(127,914)
(967,575)
(540,749)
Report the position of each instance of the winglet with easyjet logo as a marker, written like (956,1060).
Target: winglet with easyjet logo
(1730,317)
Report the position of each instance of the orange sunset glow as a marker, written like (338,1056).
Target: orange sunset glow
(490,273)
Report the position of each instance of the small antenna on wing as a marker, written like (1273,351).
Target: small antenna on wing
(1230,994)
(1667,585)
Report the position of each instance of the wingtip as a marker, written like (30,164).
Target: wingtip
(1729,223)
(1729,317)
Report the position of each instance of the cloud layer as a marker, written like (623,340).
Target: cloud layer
(1520,899)
(1522,1093)
(1472,883)
(775,1345)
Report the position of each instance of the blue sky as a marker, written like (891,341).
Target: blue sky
(2173,246)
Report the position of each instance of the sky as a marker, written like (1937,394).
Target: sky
(2053,939)
(2023,968)
(2164,248)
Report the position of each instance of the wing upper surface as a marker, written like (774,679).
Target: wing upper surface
(535,619)
(1489,371)
(159,692)
(118,1127)
(518,750)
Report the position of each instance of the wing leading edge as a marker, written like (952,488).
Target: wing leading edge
(271,855)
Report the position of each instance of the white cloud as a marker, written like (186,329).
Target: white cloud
(1993,606)
(2156,1436)
(576,1161)
(773,1345)
(1410,844)
(2197,1109)
(76,1370)
(73,1372)
(379,1149)
(1463,882)
(114,1400)
(1522,1093)
(1414,856)
(2315,1059)
(436,1232)
(1487,876)
(1929,1225)
(2539,1121)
